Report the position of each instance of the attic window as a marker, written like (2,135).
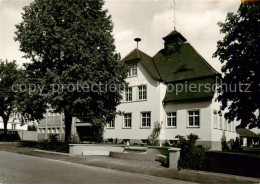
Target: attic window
(132,70)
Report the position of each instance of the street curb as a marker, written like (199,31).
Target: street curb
(52,152)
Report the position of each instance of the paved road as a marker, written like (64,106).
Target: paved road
(17,168)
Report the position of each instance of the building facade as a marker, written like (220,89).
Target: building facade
(175,88)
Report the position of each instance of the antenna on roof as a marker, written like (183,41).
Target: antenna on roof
(174,21)
(137,40)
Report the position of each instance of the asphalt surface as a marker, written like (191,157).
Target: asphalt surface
(17,168)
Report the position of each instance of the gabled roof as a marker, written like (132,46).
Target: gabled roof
(185,63)
(190,91)
(244,132)
(147,61)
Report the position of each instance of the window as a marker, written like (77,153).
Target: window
(132,70)
(127,120)
(173,142)
(215,114)
(194,118)
(144,141)
(39,130)
(63,130)
(229,126)
(146,119)
(142,92)
(54,130)
(49,130)
(43,130)
(58,130)
(220,122)
(13,126)
(225,125)
(111,124)
(171,119)
(128,94)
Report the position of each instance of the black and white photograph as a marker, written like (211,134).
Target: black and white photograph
(129,91)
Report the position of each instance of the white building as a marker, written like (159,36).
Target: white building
(187,106)
(13,123)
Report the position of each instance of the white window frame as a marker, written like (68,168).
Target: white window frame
(111,124)
(221,121)
(129,94)
(147,119)
(215,119)
(124,118)
(188,119)
(142,92)
(172,117)
(132,70)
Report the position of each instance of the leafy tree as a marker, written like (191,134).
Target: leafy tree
(9,74)
(239,52)
(71,42)
(13,100)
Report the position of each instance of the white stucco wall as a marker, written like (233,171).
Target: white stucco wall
(153,104)
(203,131)
(218,133)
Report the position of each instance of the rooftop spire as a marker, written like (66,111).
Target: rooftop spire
(174,21)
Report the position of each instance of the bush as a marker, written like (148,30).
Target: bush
(224,146)
(53,144)
(153,138)
(191,156)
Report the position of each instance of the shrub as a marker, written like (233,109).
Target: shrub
(234,145)
(153,138)
(54,144)
(224,146)
(191,156)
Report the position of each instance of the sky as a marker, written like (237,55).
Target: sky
(149,20)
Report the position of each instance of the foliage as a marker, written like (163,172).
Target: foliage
(32,127)
(224,146)
(71,43)
(10,74)
(191,156)
(153,138)
(54,144)
(239,52)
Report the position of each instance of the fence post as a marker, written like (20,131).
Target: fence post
(174,156)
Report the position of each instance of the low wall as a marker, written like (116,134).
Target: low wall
(133,156)
(93,149)
(27,135)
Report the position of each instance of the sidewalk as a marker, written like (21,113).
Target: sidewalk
(140,167)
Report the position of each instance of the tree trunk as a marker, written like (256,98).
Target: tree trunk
(5,128)
(68,123)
